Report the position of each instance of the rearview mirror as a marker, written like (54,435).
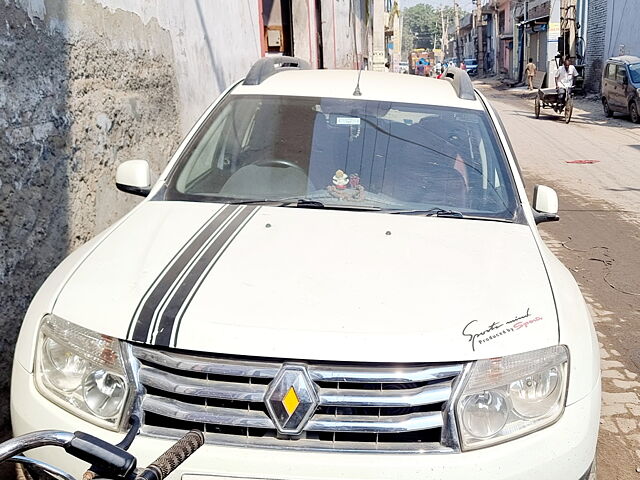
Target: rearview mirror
(545,204)
(134,177)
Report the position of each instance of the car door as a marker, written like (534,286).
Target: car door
(617,74)
(608,83)
(622,82)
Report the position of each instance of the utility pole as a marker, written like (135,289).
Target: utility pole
(456,21)
(479,38)
(571,18)
(443,39)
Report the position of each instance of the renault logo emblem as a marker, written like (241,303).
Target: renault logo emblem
(291,399)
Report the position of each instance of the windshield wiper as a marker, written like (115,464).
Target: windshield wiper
(437,212)
(250,201)
(300,203)
(305,203)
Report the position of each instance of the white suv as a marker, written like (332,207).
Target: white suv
(338,275)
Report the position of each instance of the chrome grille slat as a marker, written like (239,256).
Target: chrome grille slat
(301,444)
(319,423)
(374,423)
(383,375)
(197,387)
(193,363)
(205,414)
(426,395)
(362,407)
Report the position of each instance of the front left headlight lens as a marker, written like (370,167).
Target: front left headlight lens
(511,396)
(83,372)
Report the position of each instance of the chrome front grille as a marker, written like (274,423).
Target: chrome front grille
(361,406)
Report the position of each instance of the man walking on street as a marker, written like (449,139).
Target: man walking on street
(564,79)
(530,70)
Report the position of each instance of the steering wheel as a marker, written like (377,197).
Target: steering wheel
(274,162)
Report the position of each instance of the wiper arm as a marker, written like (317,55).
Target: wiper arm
(251,201)
(303,202)
(438,212)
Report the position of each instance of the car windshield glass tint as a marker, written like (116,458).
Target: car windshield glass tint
(634,72)
(346,153)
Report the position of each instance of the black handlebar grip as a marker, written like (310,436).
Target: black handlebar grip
(108,460)
(173,457)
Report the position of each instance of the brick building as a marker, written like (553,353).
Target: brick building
(595,43)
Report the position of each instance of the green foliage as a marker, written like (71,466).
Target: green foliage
(422,24)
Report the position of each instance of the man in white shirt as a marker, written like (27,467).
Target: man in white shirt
(564,79)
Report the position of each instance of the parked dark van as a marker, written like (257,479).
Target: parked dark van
(621,87)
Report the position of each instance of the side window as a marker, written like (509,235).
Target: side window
(610,73)
(621,74)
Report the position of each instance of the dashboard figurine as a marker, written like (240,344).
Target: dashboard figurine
(346,187)
(354,180)
(340,180)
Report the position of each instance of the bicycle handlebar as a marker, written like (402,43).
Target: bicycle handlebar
(173,457)
(31,440)
(110,461)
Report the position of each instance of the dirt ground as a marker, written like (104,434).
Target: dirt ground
(598,239)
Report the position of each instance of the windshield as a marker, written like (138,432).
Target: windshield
(634,72)
(343,153)
(470,61)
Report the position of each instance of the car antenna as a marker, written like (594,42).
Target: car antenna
(357,92)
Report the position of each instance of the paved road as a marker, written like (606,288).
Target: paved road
(598,239)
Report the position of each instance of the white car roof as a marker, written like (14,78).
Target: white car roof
(381,86)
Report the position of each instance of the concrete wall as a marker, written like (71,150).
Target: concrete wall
(213,43)
(621,36)
(343,32)
(82,88)
(305,42)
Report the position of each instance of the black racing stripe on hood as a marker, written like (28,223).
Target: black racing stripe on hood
(175,308)
(143,318)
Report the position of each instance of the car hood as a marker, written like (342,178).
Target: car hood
(315,284)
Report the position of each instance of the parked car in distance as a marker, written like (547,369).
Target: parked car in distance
(621,87)
(472,66)
(452,62)
(338,275)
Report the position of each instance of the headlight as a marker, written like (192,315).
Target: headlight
(508,397)
(82,372)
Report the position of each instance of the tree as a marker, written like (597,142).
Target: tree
(422,25)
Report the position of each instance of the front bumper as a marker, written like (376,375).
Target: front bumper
(563,451)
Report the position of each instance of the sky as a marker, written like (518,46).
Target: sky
(464,4)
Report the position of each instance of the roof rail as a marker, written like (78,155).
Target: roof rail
(265,67)
(461,82)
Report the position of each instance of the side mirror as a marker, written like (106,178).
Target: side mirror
(625,80)
(545,204)
(134,177)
